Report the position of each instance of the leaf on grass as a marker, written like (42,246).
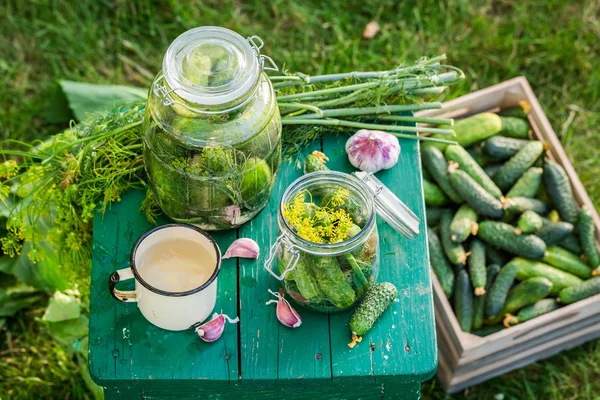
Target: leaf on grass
(62,307)
(17,298)
(44,274)
(68,331)
(86,99)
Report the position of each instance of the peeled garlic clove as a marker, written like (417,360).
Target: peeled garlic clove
(213,329)
(372,151)
(285,313)
(244,248)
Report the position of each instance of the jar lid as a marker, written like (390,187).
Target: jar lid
(212,65)
(390,207)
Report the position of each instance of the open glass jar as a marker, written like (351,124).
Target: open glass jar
(212,129)
(325,274)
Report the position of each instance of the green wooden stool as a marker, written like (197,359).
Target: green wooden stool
(259,358)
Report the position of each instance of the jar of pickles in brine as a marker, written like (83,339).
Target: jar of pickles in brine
(212,129)
(327,252)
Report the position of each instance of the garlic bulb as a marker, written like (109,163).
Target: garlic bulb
(372,151)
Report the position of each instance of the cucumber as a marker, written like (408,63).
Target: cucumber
(528,269)
(476,196)
(315,162)
(554,233)
(477,270)
(305,280)
(532,311)
(525,293)
(586,289)
(376,301)
(454,251)
(472,129)
(528,184)
(463,224)
(332,281)
(466,163)
(488,330)
(491,169)
(476,154)
(437,166)
(497,294)
(433,215)
(512,170)
(559,190)
(515,127)
(587,237)
(503,236)
(570,243)
(519,111)
(463,301)
(503,148)
(434,196)
(566,261)
(479,301)
(530,222)
(495,256)
(518,205)
(439,263)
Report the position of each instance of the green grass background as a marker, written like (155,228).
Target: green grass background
(554,43)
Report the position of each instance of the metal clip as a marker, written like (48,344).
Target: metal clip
(270,61)
(160,90)
(273,252)
(257,43)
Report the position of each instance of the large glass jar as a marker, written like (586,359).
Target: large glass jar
(212,130)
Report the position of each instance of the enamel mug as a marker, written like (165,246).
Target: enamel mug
(174,311)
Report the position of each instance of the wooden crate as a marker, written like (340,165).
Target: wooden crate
(465,359)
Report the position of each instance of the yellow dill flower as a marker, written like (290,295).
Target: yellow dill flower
(11,245)
(4,191)
(8,169)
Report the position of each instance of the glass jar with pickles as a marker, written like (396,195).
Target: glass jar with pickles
(212,129)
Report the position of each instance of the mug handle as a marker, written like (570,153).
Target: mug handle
(116,277)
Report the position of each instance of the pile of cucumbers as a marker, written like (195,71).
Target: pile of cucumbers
(507,240)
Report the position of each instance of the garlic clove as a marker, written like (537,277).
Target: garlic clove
(213,329)
(244,248)
(285,312)
(372,151)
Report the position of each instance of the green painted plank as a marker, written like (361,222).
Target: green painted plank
(403,340)
(123,345)
(270,350)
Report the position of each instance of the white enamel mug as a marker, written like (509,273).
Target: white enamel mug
(173,311)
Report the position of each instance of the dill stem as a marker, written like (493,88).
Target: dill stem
(361,125)
(423,120)
(302,106)
(351,111)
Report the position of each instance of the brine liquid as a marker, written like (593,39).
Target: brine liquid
(176,265)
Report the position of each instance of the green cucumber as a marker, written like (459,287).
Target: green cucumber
(472,129)
(491,169)
(567,261)
(479,301)
(488,330)
(460,156)
(558,186)
(454,251)
(496,296)
(587,237)
(476,154)
(586,289)
(477,270)
(495,256)
(519,111)
(332,281)
(518,205)
(437,166)
(359,279)
(571,243)
(525,293)
(433,215)
(463,301)
(439,263)
(503,236)
(376,301)
(476,196)
(530,222)
(434,196)
(515,127)
(512,170)
(305,280)
(528,184)
(463,224)
(554,232)
(315,162)
(532,311)
(503,148)
(528,269)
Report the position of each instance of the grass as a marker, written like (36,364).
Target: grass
(554,43)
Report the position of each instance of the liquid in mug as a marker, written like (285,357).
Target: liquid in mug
(177,265)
